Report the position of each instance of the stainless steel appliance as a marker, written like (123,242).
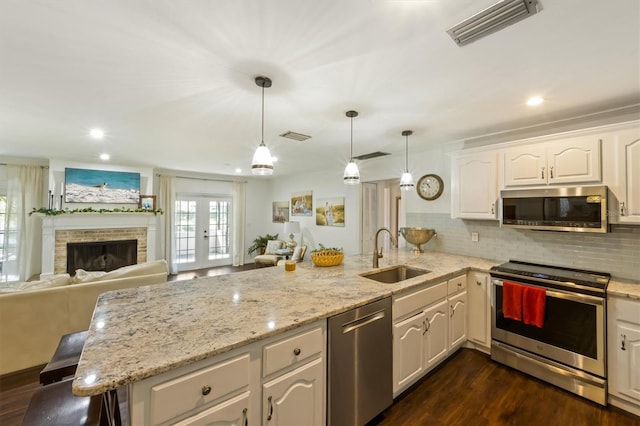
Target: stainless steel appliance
(360,364)
(577,209)
(569,349)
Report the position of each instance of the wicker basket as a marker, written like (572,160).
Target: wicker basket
(320,259)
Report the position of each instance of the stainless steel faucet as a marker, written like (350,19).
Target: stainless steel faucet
(378,254)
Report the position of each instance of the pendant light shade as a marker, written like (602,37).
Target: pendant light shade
(351,172)
(262,163)
(406,181)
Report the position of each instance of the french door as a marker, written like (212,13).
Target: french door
(202,232)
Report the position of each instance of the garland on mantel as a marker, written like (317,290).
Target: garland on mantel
(56,212)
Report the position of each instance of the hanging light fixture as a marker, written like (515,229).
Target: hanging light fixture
(351,172)
(406,181)
(262,163)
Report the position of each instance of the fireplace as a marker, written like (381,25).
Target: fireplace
(101,255)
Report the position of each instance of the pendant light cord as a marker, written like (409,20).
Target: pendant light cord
(351,138)
(406,150)
(262,136)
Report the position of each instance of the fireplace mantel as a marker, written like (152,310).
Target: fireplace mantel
(92,221)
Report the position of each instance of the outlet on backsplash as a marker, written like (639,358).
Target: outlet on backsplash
(474,237)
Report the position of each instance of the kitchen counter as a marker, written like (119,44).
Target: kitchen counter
(141,332)
(624,288)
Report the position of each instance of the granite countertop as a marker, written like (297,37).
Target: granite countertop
(141,332)
(624,288)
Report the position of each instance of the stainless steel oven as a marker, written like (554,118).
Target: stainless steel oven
(568,350)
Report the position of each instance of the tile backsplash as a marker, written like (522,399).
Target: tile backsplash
(617,252)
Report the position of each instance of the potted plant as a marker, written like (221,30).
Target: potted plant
(260,243)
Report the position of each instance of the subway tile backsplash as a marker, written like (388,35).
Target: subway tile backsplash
(617,252)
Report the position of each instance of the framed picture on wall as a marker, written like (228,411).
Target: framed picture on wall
(147,202)
(280,211)
(330,211)
(302,203)
(101,186)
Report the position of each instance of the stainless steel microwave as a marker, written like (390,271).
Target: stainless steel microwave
(575,209)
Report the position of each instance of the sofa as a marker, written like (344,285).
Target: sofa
(35,315)
(272,254)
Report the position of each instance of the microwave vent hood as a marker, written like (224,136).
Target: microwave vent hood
(568,209)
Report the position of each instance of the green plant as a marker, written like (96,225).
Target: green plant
(327,250)
(261,242)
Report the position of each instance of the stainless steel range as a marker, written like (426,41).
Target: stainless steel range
(567,346)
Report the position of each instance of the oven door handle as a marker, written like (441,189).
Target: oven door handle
(559,294)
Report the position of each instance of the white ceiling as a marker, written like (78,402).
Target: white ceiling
(172,82)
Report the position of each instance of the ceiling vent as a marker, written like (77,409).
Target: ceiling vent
(492,19)
(370,155)
(295,136)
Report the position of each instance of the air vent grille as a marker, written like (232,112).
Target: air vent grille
(371,155)
(295,136)
(492,19)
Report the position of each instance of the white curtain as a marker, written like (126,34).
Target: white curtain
(239,216)
(167,202)
(23,242)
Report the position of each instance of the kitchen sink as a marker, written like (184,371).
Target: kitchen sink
(395,274)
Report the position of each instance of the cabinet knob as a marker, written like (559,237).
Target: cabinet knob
(542,173)
(551,172)
(297,351)
(270,415)
(624,338)
(478,282)
(453,310)
(246,417)
(622,208)
(206,390)
(493,207)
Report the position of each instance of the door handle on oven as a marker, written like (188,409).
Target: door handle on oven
(576,297)
(624,339)
(361,322)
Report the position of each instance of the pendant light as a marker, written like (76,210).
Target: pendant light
(351,172)
(262,163)
(406,181)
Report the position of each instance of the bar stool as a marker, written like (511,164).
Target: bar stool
(55,404)
(65,359)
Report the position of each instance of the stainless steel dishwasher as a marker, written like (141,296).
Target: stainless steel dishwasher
(360,364)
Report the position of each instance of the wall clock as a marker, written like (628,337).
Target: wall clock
(430,187)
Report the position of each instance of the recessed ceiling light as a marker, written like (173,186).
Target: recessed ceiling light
(97,133)
(274,159)
(238,170)
(105,156)
(535,101)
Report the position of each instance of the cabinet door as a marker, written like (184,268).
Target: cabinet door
(234,412)
(628,359)
(574,160)
(457,320)
(627,182)
(295,398)
(408,351)
(436,333)
(525,165)
(478,310)
(474,189)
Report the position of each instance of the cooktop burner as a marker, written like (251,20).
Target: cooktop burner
(555,273)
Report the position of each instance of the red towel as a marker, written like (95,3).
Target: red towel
(512,300)
(533,303)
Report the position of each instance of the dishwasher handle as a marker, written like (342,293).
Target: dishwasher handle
(361,322)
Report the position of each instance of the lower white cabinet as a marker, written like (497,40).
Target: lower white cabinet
(277,381)
(624,353)
(429,324)
(479,310)
(295,398)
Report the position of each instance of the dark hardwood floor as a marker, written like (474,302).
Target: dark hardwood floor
(468,389)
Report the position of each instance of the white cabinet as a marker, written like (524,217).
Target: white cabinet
(295,398)
(474,186)
(574,160)
(622,175)
(429,324)
(457,312)
(624,353)
(282,377)
(479,309)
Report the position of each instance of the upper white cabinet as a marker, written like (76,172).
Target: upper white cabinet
(474,191)
(574,160)
(622,175)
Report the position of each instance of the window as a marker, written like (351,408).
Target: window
(8,242)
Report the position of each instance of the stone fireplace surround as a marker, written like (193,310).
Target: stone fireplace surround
(59,230)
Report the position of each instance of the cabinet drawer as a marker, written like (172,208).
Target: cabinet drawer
(457,284)
(186,393)
(628,310)
(417,300)
(291,350)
